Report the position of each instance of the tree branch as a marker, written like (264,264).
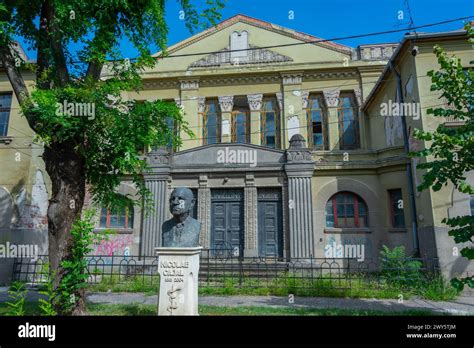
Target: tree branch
(50,47)
(106,37)
(16,79)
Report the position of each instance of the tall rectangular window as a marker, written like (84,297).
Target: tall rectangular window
(397,215)
(317,123)
(270,127)
(348,122)
(472,205)
(5,106)
(171,126)
(240,126)
(211,122)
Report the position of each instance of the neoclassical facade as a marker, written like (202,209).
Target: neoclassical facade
(280,161)
(289,153)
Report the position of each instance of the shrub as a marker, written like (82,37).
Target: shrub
(397,268)
(17,293)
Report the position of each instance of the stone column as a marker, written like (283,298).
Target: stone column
(255,105)
(189,103)
(281,116)
(332,101)
(204,212)
(294,120)
(362,137)
(299,170)
(250,217)
(156,180)
(226,103)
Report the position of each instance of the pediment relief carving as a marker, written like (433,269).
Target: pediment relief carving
(254,55)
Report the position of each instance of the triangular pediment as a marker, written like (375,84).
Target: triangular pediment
(243,40)
(255,55)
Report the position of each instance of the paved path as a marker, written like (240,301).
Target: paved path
(463,305)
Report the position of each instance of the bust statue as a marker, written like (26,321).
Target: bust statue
(181,231)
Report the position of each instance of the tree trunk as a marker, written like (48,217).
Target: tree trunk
(66,170)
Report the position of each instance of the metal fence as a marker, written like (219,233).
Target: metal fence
(224,270)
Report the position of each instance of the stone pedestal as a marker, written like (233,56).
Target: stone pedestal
(179,270)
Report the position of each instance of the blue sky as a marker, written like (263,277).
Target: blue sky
(330,18)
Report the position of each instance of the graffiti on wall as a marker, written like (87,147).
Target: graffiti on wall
(115,244)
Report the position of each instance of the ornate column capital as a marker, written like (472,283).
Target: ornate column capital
(189,84)
(226,103)
(331,97)
(358,95)
(304,99)
(279,96)
(201,104)
(255,101)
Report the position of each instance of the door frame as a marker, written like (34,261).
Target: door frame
(271,194)
(233,195)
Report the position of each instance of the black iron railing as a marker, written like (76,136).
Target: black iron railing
(227,271)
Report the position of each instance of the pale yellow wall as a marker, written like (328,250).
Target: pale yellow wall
(426,61)
(21,158)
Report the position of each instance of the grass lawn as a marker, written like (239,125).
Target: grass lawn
(434,289)
(142,309)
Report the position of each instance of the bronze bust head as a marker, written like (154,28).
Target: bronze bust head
(181,230)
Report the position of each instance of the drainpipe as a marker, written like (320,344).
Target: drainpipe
(411,190)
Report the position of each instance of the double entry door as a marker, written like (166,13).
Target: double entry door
(227,222)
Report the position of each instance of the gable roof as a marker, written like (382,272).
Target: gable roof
(404,44)
(240,18)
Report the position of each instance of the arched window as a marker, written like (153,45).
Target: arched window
(348,122)
(346,210)
(270,129)
(212,122)
(117,218)
(317,123)
(241,121)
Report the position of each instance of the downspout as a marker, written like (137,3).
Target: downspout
(414,223)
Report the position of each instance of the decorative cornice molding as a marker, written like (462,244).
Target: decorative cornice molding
(236,80)
(292,78)
(189,84)
(330,75)
(160,84)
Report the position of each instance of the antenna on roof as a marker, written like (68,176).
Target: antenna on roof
(411,26)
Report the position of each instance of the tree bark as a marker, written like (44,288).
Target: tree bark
(66,170)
